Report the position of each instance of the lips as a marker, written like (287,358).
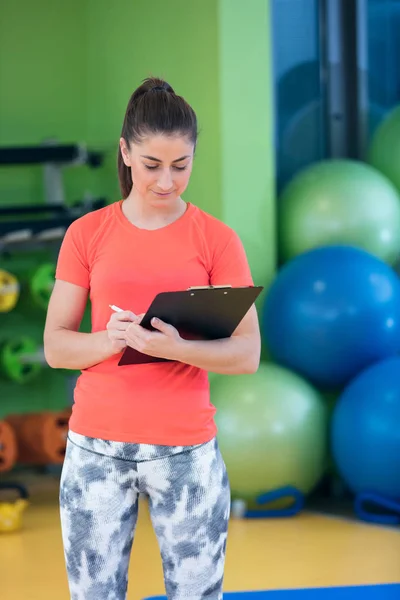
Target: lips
(162,195)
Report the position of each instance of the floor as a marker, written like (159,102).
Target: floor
(386,591)
(310,550)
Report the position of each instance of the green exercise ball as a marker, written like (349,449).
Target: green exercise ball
(384,150)
(272,431)
(340,202)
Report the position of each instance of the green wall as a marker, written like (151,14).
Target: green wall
(43,87)
(67,71)
(176,40)
(246,117)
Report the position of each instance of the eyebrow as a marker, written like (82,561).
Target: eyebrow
(159,161)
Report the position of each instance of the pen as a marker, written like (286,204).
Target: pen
(115,308)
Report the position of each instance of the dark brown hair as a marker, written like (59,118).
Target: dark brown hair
(154,108)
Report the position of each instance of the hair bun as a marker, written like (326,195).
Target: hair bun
(160,86)
(152,84)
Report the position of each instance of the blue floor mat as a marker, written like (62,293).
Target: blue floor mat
(368,592)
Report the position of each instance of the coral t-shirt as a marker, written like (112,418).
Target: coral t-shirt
(165,403)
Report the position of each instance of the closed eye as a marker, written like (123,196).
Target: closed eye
(152,167)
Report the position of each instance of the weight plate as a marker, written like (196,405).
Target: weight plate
(9,291)
(12,365)
(8,447)
(42,283)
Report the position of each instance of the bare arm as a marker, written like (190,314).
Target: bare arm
(233,356)
(236,355)
(64,346)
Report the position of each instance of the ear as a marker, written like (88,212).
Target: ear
(125,152)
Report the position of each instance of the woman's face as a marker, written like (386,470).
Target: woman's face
(161,167)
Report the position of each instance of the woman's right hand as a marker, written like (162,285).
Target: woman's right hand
(117,326)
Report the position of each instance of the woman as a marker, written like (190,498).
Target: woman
(146,428)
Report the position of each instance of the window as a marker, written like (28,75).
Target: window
(383,41)
(299,128)
(336,76)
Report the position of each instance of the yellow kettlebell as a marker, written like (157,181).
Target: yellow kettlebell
(9,291)
(11,512)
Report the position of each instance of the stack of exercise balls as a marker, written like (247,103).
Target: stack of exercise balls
(331,325)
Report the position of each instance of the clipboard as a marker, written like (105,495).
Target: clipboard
(201,312)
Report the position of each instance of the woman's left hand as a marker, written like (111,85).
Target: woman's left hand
(162,343)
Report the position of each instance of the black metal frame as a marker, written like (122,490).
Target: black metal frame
(344,71)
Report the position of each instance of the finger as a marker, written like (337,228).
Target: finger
(136,331)
(139,318)
(134,342)
(118,327)
(117,336)
(121,325)
(125,315)
(161,326)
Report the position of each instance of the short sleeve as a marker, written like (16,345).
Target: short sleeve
(72,264)
(230,265)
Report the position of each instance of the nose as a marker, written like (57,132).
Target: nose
(165,182)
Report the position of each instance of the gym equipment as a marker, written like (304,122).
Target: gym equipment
(36,273)
(272,428)
(8,447)
(54,157)
(41,223)
(375,508)
(9,291)
(384,150)
(41,437)
(42,283)
(388,591)
(366,438)
(47,221)
(332,312)
(11,512)
(285,501)
(21,359)
(49,153)
(339,202)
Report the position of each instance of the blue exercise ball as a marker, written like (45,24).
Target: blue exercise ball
(332,312)
(365,431)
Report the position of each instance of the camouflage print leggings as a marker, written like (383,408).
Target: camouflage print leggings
(189,501)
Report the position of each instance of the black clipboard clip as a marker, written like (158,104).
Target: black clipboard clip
(208,287)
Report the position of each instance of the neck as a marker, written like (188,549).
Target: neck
(152,216)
